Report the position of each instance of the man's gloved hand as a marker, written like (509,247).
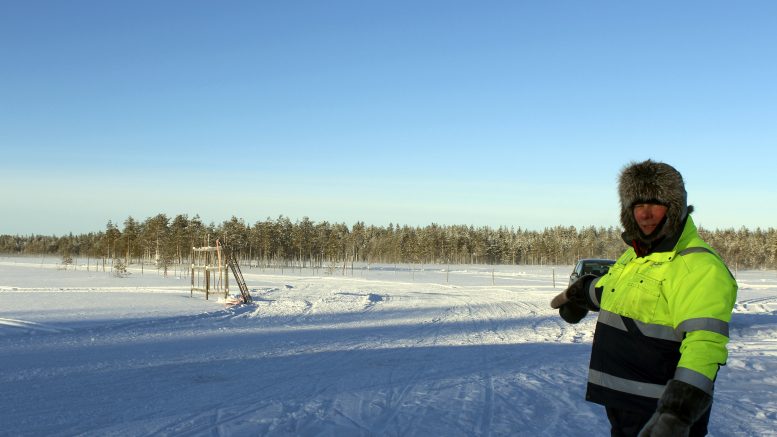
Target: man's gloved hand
(572,303)
(575,293)
(572,313)
(665,425)
(679,408)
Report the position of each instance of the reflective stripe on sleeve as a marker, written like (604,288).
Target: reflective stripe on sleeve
(592,293)
(703,324)
(625,385)
(695,379)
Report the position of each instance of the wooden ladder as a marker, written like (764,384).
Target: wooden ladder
(232,261)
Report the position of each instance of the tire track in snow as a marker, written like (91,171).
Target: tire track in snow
(31,326)
(756,305)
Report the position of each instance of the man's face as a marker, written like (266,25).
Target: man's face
(649,216)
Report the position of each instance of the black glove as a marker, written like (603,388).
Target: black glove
(679,408)
(572,303)
(572,313)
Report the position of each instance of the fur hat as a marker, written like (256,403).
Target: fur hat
(652,182)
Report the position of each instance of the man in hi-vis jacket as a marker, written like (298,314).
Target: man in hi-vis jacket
(664,309)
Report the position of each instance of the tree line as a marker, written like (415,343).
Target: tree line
(165,241)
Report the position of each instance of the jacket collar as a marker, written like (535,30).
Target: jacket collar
(663,244)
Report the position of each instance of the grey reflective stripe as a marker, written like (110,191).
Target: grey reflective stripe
(695,379)
(662,332)
(625,385)
(694,250)
(611,319)
(704,249)
(592,293)
(703,324)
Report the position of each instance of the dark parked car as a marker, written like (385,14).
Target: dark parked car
(590,266)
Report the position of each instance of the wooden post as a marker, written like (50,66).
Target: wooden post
(207,282)
(226,279)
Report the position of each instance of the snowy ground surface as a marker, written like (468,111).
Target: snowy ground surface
(395,351)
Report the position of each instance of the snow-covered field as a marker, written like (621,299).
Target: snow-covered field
(473,351)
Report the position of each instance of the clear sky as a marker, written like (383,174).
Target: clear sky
(514,113)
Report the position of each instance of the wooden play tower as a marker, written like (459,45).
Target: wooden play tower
(209,272)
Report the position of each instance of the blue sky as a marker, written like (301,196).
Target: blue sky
(498,113)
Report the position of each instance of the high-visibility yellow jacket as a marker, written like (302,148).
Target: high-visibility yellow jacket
(662,316)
